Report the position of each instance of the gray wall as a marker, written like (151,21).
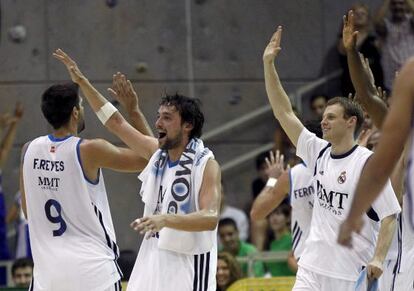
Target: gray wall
(209,48)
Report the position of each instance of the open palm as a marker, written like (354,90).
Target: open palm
(273,48)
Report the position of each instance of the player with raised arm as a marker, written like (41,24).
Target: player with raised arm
(336,163)
(180,189)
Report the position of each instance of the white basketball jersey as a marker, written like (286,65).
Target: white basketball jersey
(71,231)
(158,269)
(336,177)
(301,199)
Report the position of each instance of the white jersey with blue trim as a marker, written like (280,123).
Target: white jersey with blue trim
(301,199)
(336,177)
(71,231)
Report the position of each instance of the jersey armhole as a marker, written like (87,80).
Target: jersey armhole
(80,163)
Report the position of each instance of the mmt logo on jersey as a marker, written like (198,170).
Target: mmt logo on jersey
(332,200)
(47,183)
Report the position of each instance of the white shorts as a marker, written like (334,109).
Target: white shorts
(309,281)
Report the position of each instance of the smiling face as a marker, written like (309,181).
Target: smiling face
(223,273)
(334,124)
(229,237)
(172,132)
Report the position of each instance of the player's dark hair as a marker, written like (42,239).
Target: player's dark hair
(58,102)
(227,221)
(189,110)
(21,263)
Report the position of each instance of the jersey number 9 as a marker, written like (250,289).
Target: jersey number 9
(55,219)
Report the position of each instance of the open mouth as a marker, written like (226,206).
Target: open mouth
(161,135)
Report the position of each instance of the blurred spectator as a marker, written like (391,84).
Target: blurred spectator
(396,35)
(16,215)
(227,211)
(229,236)
(317,105)
(22,272)
(366,44)
(9,123)
(279,221)
(228,271)
(126,263)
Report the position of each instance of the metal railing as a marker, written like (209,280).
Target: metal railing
(265,257)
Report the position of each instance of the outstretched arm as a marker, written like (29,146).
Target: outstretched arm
(279,100)
(99,153)
(123,91)
(144,145)
(205,219)
(379,167)
(7,142)
(361,75)
(271,196)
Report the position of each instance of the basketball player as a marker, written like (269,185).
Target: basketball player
(64,199)
(336,165)
(181,192)
(396,130)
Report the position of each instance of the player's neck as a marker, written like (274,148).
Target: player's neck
(175,153)
(64,132)
(343,146)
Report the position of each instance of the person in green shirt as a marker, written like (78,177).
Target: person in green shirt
(229,237)
(279,223)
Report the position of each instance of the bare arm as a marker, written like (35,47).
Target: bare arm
(144,145)
(279,100)
(124,92)
(379,167)
(8,140)
(12,213)
(386,234)
(270,198)
(361,75)
(99,153)
(204,219)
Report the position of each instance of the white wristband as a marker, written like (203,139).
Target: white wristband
(271,182)
(105,112)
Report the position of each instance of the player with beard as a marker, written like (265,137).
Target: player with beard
(180,190)
(64,199)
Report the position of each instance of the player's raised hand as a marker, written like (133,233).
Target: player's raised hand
(374,269)
(273,48)
(364,136)
(123,91)
(349,35)
(75,74)
(18,110)
(275,164)
(346,230)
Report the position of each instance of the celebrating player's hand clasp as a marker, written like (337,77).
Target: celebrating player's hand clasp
(149,224)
